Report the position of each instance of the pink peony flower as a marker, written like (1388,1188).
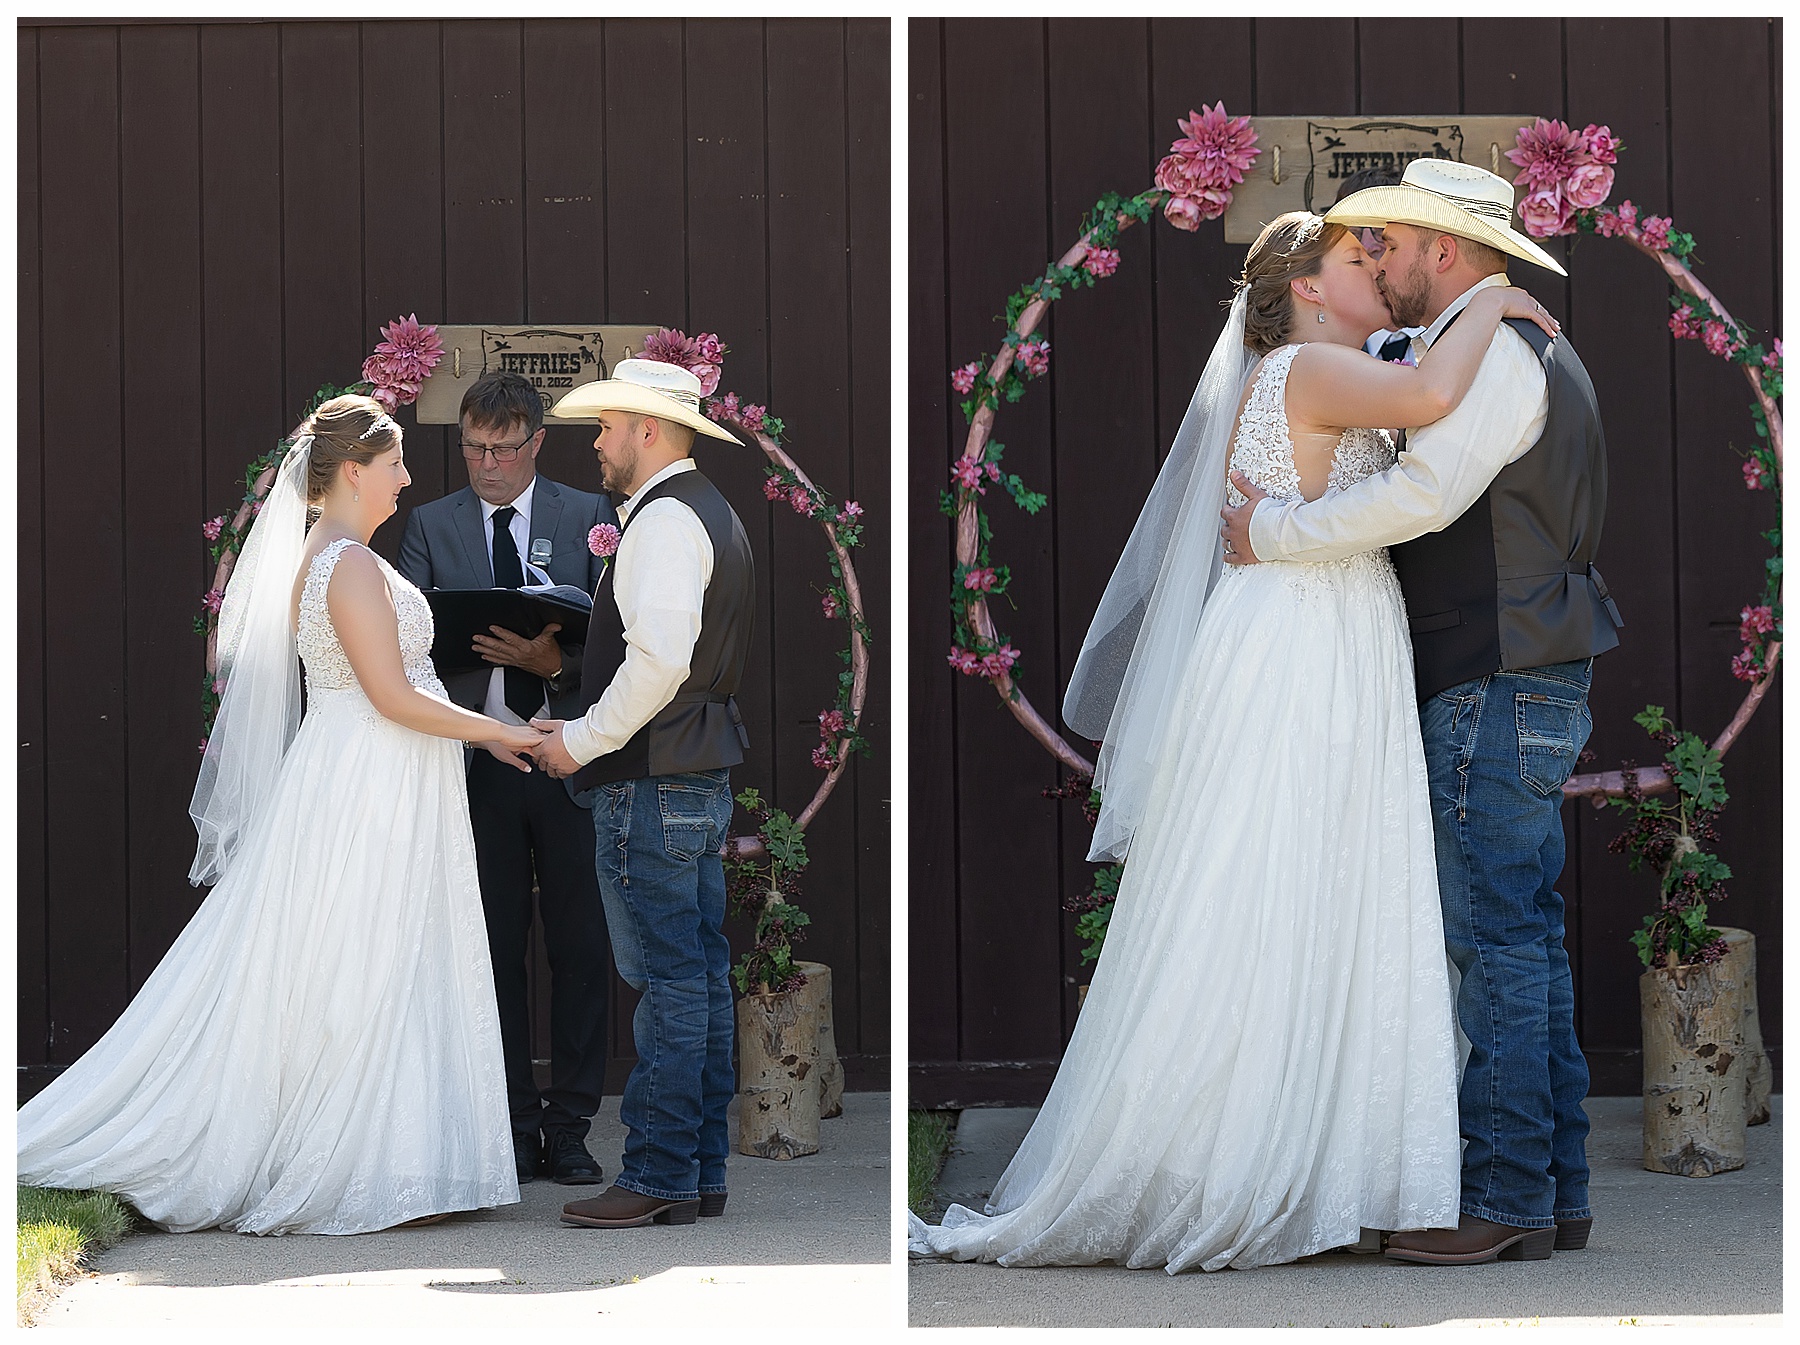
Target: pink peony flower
(1545,213)
(963,379)
(1755,621)
(389,399)
(802,501)
(1034,355)
(1548,152)
(829,605)
(1101,262)
(966,472)
(1744,668)
(213,527)
(772,488)
(1589,185)
(831,722)
(213,600)
(980,581)
(1601,143)
(964,662)
(1755,478)
(1182,213)
(603,539)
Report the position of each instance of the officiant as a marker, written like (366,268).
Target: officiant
(509,528)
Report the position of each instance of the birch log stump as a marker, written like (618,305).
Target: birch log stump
(778,1043)
(829,1069)
(1696,1066)
(1760,1078)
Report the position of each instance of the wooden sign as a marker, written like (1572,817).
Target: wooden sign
(553,358)
(1306,159)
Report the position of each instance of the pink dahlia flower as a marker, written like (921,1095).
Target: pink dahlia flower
(1101,262)
(1218,149)
(1545,213)
(1589,185)
(1548,152)
(603,539)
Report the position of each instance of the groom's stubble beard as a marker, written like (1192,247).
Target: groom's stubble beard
(1408,296)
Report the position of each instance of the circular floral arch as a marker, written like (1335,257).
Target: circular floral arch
(1568,176)
(394,375)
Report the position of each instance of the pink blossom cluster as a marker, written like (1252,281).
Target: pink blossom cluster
(1202,167)
(968,473)
(823,757)
(1563,171)
(803,501)
(1717,338)
(773,489)
(850,512)
(1755,478)
(971,664)
(963,379)
(1101,262)
(1034,355)
(218,686)
(203,747)
(832,724)
(747,414)
(702,355)
(1755,621)
(829,605)
(603,539)
(213,600)
(1744,666)
(402,361)
(1772,361)
(979,581)
(1684,324)
(212,528)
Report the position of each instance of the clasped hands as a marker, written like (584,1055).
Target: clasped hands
(541,740)
(1235,530)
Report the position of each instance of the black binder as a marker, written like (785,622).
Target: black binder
(460,614)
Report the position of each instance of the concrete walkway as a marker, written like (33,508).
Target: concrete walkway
(812,1233)
(1665,1250)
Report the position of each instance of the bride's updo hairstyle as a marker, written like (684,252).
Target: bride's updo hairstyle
(340,430)
(1290,245)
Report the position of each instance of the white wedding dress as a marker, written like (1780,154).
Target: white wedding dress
(1265,1063)
(319,1052)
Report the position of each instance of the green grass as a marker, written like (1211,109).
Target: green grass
(57,1231)
(927,1142)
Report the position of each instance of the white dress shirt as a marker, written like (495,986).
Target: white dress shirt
(1443,469)
(660,573)
(495,707)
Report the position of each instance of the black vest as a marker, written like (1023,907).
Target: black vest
(700,730)
(1511,583)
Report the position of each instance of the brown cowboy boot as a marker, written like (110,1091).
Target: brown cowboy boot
(616,1207)
(1472,1241)
(1572,1234)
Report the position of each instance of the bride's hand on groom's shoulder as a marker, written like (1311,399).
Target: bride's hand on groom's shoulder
(1517,302)
(1234,531)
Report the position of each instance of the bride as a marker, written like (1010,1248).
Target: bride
(319,1051)
(1265,1064)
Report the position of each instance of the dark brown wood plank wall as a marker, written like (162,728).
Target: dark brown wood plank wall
(991,989)
(230,210)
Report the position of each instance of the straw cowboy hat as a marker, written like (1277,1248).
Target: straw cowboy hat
(643,388)
(1455,198)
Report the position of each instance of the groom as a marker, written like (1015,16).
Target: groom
(1493,515)
(651,753)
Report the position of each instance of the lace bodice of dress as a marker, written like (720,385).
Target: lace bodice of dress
(327,666)
(1264,450)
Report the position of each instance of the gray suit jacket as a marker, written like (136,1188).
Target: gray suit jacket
(445,545)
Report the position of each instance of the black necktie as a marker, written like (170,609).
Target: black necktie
(524,691)
(1395,347)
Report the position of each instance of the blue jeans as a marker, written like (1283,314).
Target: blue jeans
(662,880)
(1499,750)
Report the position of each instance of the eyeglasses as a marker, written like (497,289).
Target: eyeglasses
(501,452)
(1371,241)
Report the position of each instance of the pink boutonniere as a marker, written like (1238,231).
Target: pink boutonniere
(603,539)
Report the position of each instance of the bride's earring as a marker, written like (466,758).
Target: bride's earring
(1321,315)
